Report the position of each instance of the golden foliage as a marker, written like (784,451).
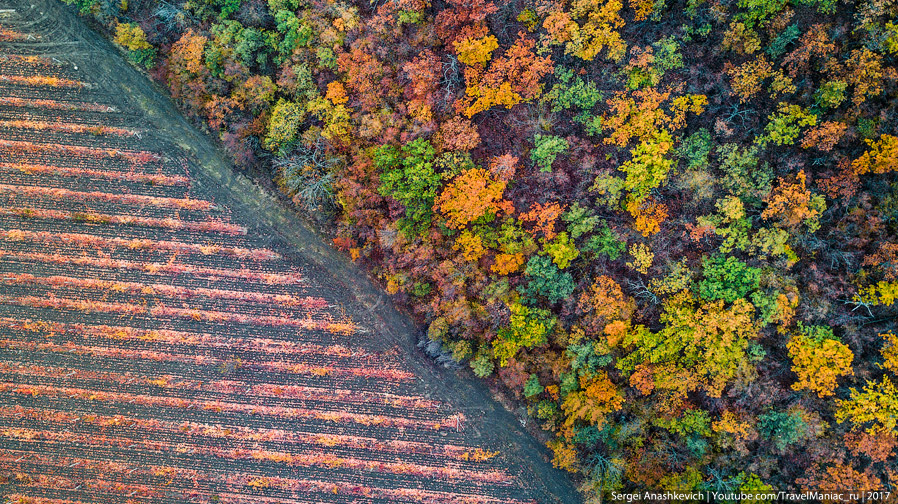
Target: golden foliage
(597,397)
(710,339)
(882,157)
(890,352)
(746,79)
(597,33)
(131,36)
(475,51)
(336,93)
(642,257)
(471,245)
(865,73)
(730,423)
(642,115)
(876,405)
(507,263)
(648,215)
(741,39)
(564,455)
(641,9)
(819,364)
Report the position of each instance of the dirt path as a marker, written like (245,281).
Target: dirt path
(279,228)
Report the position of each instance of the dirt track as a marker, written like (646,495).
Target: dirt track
(380,328)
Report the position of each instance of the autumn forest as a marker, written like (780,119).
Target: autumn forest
(668,228)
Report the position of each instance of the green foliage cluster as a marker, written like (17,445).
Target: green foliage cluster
(527,327)
(545,280)
(408,176)
(545,149)
(782,428)
(574,93)
(727,279)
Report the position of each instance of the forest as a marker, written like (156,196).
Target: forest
(669,228)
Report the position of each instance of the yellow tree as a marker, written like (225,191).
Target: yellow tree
(131,36)
(476,51)
(597,33)
(877,406)
(881,158)
(708,341)
(819,361)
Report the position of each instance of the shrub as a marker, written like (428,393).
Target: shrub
(134,39)
(545,149)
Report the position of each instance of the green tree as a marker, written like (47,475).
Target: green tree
(757,12)
(209,9)
(545,149)
(727,278)
(580,220)
(782,428)
(283,126)
(408,176)
(578,95)
(532,387)
(482,364)
(606,242)
(785,125)
(545,280)
(527,327)
(695,149)
(295,33)
(744,175)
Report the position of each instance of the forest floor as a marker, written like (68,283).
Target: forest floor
(147,286)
